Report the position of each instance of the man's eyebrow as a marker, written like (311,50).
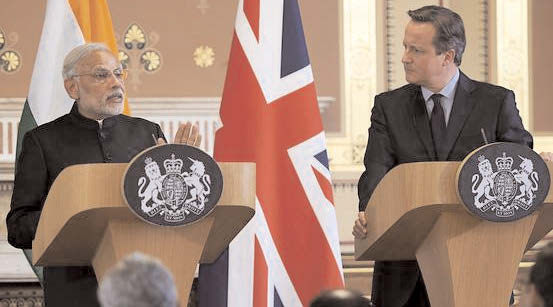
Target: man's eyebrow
(99,67)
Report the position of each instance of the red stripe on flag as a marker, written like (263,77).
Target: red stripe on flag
(236,141)
(325,185)
(256,131)
(251,9)
(260,279)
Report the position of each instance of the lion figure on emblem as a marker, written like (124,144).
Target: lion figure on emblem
(154,186)
(485,186)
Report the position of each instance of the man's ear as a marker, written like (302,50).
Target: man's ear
(449,57)
(72,88)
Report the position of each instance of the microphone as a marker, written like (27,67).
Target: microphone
(484,136)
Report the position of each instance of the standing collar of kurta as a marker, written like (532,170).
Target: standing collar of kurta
(88,123)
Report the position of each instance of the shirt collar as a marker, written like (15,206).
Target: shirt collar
(448,90)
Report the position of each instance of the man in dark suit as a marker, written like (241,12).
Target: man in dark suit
(441,115)
(94,131)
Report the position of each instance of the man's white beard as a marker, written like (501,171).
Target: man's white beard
(112,110)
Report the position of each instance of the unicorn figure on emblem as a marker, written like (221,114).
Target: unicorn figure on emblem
(198,190)
(526,172)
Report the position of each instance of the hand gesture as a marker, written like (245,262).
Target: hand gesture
(186,134)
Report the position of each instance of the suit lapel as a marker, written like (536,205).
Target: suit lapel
(421,120)
(462,107)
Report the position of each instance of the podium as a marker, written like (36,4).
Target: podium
(415,213)
(85,221)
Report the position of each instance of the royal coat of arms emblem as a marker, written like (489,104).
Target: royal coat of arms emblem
(505,190)
(179,194)
(510,190)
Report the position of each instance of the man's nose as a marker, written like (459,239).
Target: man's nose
(116,82)
(405,58)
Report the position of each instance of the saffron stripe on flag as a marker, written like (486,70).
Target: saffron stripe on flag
(96,26)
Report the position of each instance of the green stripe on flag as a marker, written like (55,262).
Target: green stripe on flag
(37,269)
(26,123)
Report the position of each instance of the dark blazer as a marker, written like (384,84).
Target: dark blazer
(47,150)
(400,133)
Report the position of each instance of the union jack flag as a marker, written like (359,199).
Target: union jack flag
(290,250)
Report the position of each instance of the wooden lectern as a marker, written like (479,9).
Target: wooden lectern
(85,221)
(415,213)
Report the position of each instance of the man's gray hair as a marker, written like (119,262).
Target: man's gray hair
(450,30)
(77,54)
(138,281)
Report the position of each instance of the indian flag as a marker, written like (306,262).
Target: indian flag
(67,24)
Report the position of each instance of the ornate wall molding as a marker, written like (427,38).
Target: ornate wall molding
(359,75)
(513,29)
(485,40)
(24,295)
(512,61)
(512,52)
(6,185)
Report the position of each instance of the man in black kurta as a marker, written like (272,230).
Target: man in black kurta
(94,131)
(47,150)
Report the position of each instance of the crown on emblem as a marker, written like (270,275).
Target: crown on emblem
(173,165)
(504,163)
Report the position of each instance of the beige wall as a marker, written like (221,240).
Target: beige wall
(175,29)
(541,66)
(21,23)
